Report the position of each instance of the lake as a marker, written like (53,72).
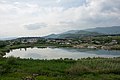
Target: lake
(56,53)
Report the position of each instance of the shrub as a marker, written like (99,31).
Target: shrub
(11,60)
(78,69)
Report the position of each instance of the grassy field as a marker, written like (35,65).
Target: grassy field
(84,69)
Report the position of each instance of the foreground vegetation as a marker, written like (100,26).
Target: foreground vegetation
(62,69)
(83,69)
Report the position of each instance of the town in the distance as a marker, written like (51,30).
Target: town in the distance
(95,38)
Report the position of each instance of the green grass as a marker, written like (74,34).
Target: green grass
(83,69)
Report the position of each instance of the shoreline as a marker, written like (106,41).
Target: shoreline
(82,46)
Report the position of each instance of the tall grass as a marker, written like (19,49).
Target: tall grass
(103,65)
(61,69)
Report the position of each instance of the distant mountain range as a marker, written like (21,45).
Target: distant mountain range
(87,32)
(98,31)
(106,30)
(8,38)
(73,34)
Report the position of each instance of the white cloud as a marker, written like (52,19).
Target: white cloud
(59,15)
(35,26)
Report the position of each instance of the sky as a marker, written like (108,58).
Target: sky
(43,17)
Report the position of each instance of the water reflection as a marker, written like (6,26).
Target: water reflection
(34,55)
(55,53)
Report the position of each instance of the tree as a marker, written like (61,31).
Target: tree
(3,43)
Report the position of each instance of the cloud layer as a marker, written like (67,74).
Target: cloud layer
(35,26)
(42,17)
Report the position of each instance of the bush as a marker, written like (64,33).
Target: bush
(5,68)
(78,69)
(11,60)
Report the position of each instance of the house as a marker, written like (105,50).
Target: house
(92,47)
(113,42)
(32,40)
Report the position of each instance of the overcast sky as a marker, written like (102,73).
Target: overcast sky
(43,17)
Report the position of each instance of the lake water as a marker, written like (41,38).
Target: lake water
(56,53)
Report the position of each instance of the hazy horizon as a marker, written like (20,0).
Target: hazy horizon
(20,18)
